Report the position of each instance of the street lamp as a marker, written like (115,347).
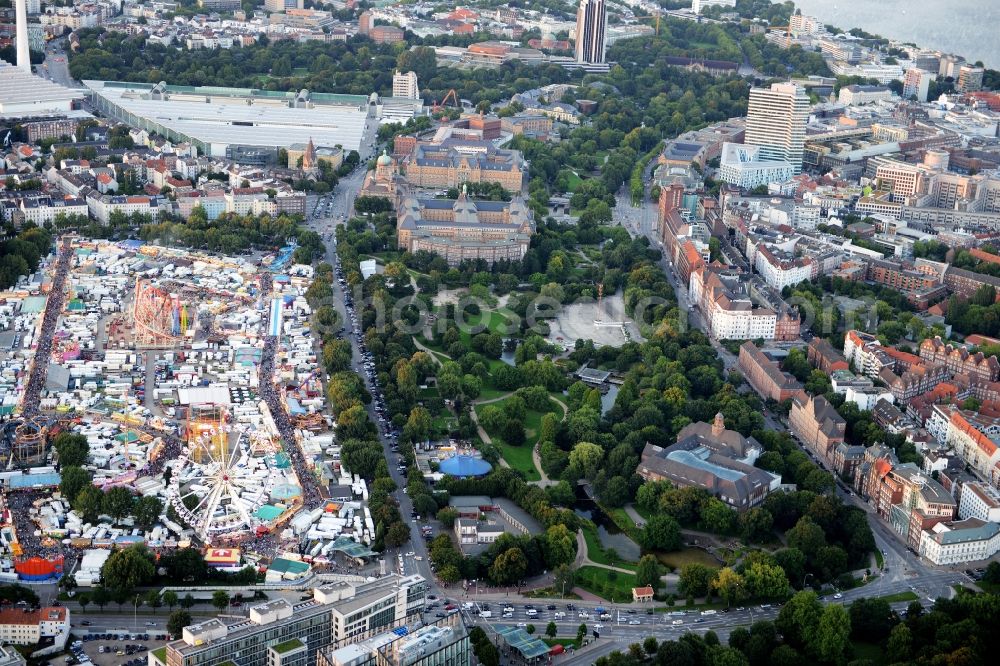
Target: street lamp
(135,612)
(804,578)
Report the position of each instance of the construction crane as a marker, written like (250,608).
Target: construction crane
(786,28)
(652,16)
(452,95)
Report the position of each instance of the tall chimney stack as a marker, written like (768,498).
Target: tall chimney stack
(23,54)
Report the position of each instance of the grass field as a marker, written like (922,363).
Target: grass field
(879,559)
(486,321)
(565,642)
(908,595)
(519,457)
(614,586)
(572,180)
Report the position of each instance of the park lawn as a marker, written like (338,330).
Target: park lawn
(565,642)
(572,180)
(879,559)
(490,392)
(681,558)
(519,458)
(908,595)
(533,422)
(435,349)
(615,586)
(487,321)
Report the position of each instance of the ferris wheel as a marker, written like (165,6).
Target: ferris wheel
(218,487)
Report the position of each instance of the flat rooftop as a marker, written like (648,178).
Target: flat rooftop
(698,460)
(219,117)
(19,87)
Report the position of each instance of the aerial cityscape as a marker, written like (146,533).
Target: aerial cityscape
(614,332)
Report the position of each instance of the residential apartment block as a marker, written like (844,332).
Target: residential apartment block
(980,501)
(27,627)
(965,283)
(765,376)
(958,360)
(825,357)
(978,449)
(914,381)
(723,295)
(816,423)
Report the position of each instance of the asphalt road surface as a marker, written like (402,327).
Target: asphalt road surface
(336,212)
(56,65)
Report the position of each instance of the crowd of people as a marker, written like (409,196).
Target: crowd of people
(312,495)
(43,349)
(33,543)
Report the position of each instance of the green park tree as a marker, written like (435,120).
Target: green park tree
(177,621)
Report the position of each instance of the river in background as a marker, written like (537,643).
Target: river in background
(964,27)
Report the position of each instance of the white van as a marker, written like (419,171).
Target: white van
(486,614)
(709,612)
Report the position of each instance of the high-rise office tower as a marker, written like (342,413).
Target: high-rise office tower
(405,85)
(590,20)
(776,121)
(916,83)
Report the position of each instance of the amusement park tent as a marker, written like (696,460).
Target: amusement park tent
(201,395)
(33,305)
(269,512)
(352,548)
(282,569)
(44,480)
(223,558)
(57,378)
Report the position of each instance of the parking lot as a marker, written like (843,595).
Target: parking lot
(119,649)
